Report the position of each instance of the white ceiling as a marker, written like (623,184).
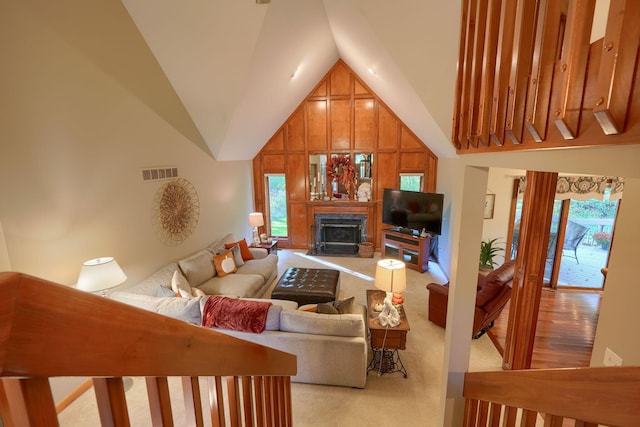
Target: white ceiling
(231,61)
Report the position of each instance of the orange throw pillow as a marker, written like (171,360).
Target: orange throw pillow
(244,249)
(224,264)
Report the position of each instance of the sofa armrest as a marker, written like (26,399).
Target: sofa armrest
(438,300)
(258,253)
(439,289)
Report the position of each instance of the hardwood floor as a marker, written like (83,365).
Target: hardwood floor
(566,328)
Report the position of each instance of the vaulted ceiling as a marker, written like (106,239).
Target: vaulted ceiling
(241,68)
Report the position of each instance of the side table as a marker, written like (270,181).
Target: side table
(270,247)
(386,341)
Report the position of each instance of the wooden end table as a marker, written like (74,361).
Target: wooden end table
(270,247)
(385,341)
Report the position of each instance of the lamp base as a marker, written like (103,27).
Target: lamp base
(389,315)
(256,237)
(397,298)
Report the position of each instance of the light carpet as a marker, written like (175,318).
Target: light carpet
(387,399)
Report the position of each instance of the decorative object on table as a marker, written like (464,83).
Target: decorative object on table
(100,274)
(340,169)
(176,211)
(264,238)
(391,277)
(488,250)
(489,202)
(256,220)
(364,192)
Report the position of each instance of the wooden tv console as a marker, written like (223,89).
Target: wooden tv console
(414,251)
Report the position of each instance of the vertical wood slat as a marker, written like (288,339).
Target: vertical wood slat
(159,401)
(542,69)
(465,97)
(247,401)
(495,413)
(457,111)
(575,53)
(553,421)
(617,65)
(488,68)
(528,418)
(258,398)
(27,402)
(288,402)
(475,83)
(216,399)
(233,398)
(501,74)
(111,402)
(519,76)
(510,415)
(192,401)
(470,413)
(268,397)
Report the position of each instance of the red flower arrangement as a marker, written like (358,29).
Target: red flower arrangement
(340,169)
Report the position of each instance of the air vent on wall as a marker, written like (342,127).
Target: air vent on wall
(153,174)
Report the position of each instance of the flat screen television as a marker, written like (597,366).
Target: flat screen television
(411,211)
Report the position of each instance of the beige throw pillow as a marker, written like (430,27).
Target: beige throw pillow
(180,285)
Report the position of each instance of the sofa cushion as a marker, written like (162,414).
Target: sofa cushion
(218,245)
(180,285)
(152,284)
(494,282)
(244,249)
(198,267)
(237,255)
(237,285)
(186,309)
(336,307)
(341,325)
(263,266)
(224,264)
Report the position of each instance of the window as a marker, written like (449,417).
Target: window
(276,188)
(411,181)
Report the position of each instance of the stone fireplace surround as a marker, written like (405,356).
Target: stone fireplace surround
(339,233)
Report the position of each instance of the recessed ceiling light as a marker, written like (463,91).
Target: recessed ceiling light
(371,70)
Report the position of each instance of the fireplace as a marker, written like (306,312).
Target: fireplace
(339,234)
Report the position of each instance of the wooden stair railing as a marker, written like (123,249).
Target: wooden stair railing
(607,396)
(49,330)
(529,76)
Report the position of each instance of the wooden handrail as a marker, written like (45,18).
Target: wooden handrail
(603,395)
(49,330)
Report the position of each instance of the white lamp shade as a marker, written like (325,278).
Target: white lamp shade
(391,275)
(99,274)
(256,219)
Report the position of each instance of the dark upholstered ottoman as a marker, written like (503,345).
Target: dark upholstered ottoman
(307,285)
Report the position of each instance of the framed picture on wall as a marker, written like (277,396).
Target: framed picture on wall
(489,202)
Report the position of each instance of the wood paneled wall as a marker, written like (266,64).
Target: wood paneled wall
(530,78)
(341,115)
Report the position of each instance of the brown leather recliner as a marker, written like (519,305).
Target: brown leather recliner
(494,291)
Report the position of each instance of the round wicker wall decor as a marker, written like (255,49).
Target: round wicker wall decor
(176,211)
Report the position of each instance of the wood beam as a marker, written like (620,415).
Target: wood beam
(527,282)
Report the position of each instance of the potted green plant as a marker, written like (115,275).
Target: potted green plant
(488,250)
(603,239)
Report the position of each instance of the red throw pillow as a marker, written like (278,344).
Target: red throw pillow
(244,249)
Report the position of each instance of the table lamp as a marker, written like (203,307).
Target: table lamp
(100,274)
(391,277)
(256,220)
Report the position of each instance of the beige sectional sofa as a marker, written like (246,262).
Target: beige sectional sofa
(331,349)
(155,294)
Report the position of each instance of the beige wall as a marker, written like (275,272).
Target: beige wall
(84,108)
